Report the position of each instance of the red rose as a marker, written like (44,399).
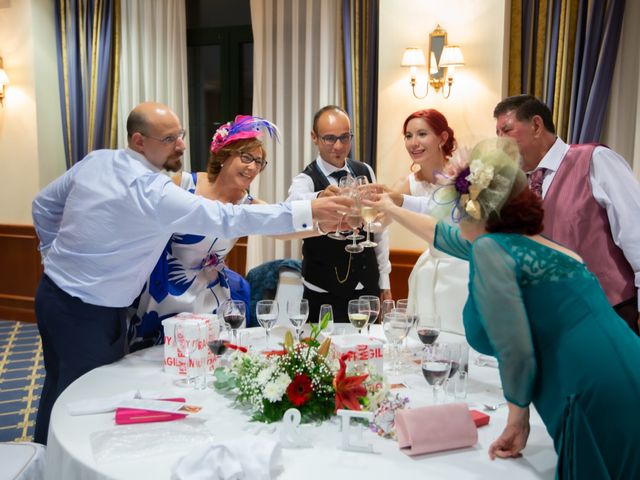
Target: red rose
(299,390)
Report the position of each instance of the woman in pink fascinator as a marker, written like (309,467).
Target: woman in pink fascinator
(190,275)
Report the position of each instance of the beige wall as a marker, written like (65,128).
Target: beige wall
(480,28)
(29,130)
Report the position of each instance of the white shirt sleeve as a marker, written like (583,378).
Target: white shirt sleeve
(615,189)
(47,209)
(382,251)
(301,188)
(416,204)
(180,211)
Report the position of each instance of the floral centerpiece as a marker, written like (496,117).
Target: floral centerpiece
(299,376)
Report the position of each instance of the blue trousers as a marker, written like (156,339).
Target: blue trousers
(76,338)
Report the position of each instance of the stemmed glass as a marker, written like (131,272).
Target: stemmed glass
(267,314)
(403,305)
(219,346)
(354,220)
(326,309)
(233,312)
(368,213)
(374,309)
(298,312)
(428,328)
(358,312)
(395,325)
(344,183)
(436,365)
(350,190)
(386,307)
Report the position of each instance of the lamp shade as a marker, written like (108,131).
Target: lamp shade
(413,57)
(451,57)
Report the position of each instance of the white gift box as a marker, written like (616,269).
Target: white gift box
(359,348)
(174,360)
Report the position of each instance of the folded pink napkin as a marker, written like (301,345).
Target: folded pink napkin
(434,429)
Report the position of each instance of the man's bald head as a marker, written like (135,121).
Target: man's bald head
(145,115)
(154,131)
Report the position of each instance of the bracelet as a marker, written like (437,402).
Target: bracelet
(319,229)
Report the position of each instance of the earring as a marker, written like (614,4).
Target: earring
(440,146)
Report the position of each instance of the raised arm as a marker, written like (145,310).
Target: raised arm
(422,225)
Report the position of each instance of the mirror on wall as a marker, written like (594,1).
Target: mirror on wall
(437,42)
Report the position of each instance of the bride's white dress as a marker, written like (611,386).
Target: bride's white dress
(438,282)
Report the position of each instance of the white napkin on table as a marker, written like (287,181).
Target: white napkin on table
(250,458)
(91,406)
(487,361)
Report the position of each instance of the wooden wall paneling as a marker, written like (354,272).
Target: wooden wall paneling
(20,271)
(402,262)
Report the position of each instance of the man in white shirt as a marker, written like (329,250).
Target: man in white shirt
(332,275)
(102,226)
(590,196)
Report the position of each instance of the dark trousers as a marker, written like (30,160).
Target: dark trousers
(76,338)
(339,304)
(628,310)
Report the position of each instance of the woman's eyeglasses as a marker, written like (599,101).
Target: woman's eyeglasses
(247,159)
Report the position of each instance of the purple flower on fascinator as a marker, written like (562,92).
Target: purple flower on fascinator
(461,183)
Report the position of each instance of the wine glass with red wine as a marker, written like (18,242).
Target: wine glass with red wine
(436,365)
(428,328)
(233,313)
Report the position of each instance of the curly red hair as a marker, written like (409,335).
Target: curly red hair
(522,214)
(438,123)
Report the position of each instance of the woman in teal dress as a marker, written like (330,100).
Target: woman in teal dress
(536,308)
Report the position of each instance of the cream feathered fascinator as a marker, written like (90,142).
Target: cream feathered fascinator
(478,183)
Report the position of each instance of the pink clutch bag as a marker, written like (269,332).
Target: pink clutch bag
(435,429)
(135,415)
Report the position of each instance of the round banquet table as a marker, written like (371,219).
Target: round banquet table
(70,454)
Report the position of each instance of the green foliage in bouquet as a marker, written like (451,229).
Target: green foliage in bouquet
(298,376)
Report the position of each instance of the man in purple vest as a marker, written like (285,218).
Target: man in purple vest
(590,196)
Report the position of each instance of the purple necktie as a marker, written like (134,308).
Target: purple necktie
(535,180)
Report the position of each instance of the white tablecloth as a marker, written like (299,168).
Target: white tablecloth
(70,454)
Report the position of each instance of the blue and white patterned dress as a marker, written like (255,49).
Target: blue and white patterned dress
(188,277)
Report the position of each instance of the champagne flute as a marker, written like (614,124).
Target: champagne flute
(298,312)
(326,309)
(351,191)
(344,184)
(358,312)
(233,312)
(374,309)
(436,365)
(267,314)
(354,220)
(368,213)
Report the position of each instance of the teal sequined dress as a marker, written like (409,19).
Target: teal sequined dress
(559,345)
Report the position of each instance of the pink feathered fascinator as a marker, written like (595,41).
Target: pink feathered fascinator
(244,126)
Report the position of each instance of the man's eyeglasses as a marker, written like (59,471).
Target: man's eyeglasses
(332,139)
(169,139)
(247,158)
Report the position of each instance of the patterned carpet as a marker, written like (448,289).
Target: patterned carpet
(21,378)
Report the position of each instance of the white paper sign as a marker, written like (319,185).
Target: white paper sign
(174,361)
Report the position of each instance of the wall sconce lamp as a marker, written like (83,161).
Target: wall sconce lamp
(442,62)
(4,80)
